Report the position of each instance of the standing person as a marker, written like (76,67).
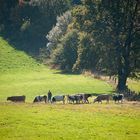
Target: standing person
(49,96)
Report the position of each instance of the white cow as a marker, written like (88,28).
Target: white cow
(58,98)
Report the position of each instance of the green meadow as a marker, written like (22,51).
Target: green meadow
(22,75)
(134,85)
(69,122)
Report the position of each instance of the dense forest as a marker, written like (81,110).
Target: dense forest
(76,35)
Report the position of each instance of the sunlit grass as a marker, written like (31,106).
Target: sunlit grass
(22,75)
(39,82)
(78,122)
(134,85)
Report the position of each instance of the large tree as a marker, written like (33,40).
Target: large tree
(123,23)
(114,28)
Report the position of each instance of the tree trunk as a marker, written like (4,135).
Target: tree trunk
(122,78)
(122,70)
(123,54)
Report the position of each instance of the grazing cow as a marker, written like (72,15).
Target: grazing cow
(85,97)
(118,97)
(17,98)
(102,97)
(40,98)
(71,98)
(78,98)
(58,98)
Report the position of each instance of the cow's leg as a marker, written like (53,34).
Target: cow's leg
(107,101)
(78,101)
(87,101)
(73,101)
(63,101)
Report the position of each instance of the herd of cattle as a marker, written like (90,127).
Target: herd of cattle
(77,98)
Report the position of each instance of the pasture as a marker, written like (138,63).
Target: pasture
(39,82)
(67,122)
(22,75)
(134,85)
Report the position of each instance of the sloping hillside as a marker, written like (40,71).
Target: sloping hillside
(11,59)
(22,75)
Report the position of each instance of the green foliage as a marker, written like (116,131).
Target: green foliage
(59,30)
(26,25)
(108,40)
(85,54)
(65,54)
(122,22)
(56,7)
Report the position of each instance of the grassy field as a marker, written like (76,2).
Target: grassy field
(12,60)
(39,82)
(134,85)
(69,122)
(22,75)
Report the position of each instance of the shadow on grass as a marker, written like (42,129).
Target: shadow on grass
(66,73)
(96,94)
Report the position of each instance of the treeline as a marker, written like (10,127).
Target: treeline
(97,35)
(25,23)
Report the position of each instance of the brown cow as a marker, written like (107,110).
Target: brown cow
(17,98)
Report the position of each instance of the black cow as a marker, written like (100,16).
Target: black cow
(17,98)
(85,97)
(40,98)
(102,97)
(118,97)
(70,98)
(77,98)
